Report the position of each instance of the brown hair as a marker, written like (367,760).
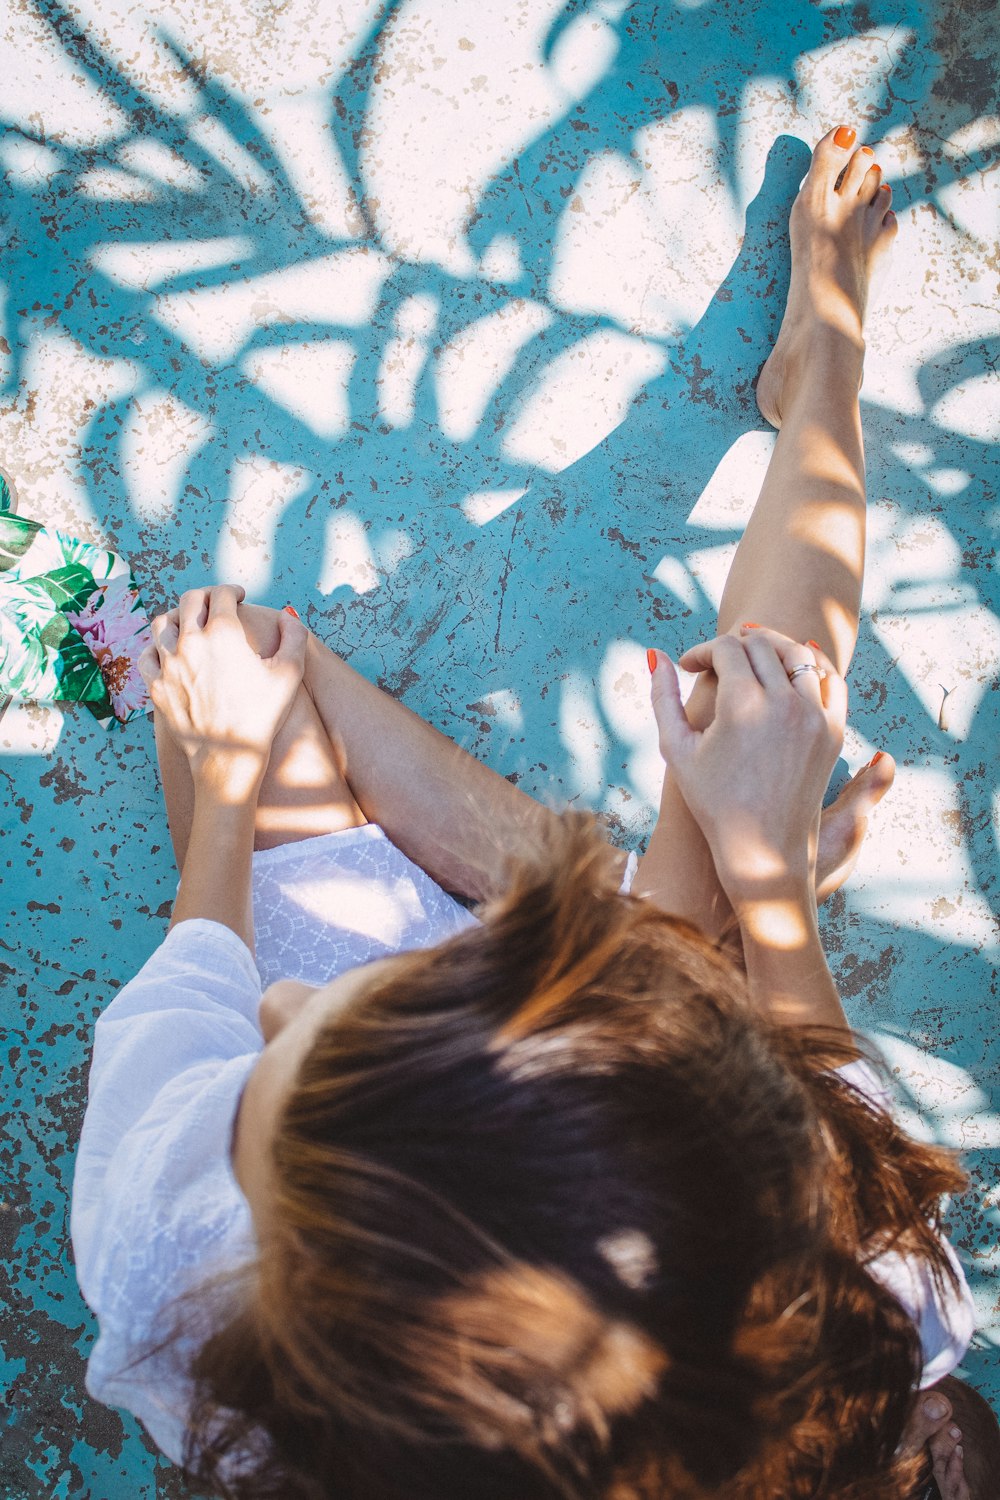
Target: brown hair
(557,1214)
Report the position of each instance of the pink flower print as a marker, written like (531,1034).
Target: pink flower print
(116,634)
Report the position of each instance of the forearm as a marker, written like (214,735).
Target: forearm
(216,876)
(453,816)
(787,972)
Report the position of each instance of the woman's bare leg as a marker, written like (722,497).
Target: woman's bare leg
(348,753)
(458,820)
(800,563)
(305,792)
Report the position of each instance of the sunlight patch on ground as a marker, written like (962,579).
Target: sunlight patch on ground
(582,396)
(28,729)
(110,185)
(472,366)
(309,380)
(844,82)
(46,90)
(959,1111)
(347,557)
(154,159)
(583,737)
(146,263)
(972,409)
(459,92)
(645,240)
(916,865)
(27,164)
(624,696)
(301,134)
(159,438)
(728,498)
(261,489)
(585,50)
(61,386)
(501,260)
(709,566)
(217,141)
(336,290)
(404,359)
(929,617)
(488,504)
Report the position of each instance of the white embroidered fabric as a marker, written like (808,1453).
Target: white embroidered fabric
(332,903)
(156,1209)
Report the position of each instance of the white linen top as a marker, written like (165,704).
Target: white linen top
(156,1209)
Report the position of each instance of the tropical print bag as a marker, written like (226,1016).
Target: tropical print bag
(72,624)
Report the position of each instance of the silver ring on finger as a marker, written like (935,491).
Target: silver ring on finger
(806,666)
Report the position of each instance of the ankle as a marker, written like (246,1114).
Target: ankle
(825,359)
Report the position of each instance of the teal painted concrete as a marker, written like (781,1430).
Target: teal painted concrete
(441,321)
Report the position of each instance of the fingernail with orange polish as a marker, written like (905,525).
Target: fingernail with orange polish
(288,610)
(845,137)
(651,659)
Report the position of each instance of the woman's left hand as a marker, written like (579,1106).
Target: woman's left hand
(754,779)
(222,702)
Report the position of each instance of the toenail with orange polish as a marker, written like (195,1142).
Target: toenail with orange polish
(288,610)
(874,762)
(845,137)
(867,150)
(651,658)
(749,625)
(815,645)
(886,188)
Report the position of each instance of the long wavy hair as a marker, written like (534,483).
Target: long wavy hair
(558,1215)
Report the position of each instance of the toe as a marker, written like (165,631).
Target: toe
(832,154)
(877,776)
(853,181)
(928,1425)
(872,183)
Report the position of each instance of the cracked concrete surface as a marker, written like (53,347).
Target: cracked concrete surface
(441,322)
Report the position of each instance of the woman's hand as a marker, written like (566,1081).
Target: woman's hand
(222,702)
(754,779)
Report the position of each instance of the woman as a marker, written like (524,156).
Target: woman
(555,1202)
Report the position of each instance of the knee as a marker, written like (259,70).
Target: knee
(261,627)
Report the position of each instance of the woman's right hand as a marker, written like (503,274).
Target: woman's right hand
(754,779)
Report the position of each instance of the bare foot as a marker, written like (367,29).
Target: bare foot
(931,1428)
(841,223)
(844,823)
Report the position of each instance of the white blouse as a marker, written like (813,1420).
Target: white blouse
(156,1209)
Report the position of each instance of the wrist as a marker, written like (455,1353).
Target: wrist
(228,776)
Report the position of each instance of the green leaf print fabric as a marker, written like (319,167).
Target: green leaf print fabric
(72,624)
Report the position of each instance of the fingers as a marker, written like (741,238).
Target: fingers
(197,606)
(292,638)
(192,610)
(833,688)
(223,599)
(164,630)
(726,652)
(774,659)
(149,665)
(676,734)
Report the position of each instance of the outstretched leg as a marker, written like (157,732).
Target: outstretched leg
(800,563)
